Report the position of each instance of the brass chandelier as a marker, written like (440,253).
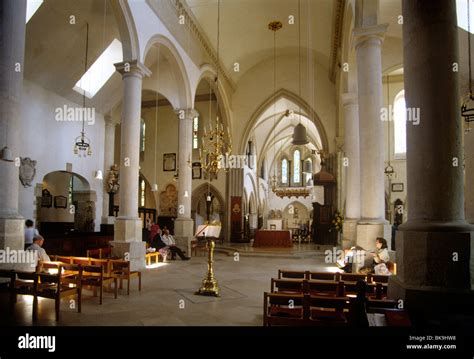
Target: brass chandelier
(215,144)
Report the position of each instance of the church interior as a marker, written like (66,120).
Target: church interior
(236,163)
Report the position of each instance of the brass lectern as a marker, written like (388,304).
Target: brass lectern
(209,283)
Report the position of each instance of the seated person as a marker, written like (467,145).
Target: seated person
(153,229)
(379,256)
(170,242)
(37,245)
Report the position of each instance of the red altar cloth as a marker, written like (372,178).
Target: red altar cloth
(272,238)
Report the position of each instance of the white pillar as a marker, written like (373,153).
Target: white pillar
(435,258)
(184,225)
(352,156)
(12,41)
(109,150)
(128,227)
(372,224)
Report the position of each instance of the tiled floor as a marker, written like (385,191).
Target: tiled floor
(167,294)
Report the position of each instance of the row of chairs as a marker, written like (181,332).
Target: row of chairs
(112,268)
(333,276)
(55,281)
(327,288)
(306,309)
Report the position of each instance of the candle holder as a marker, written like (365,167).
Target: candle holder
(209,285)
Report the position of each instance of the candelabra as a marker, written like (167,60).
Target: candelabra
(216,145)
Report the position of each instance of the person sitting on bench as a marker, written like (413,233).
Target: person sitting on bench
(170,242)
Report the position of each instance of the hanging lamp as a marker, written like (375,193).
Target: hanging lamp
(467,108)
(82,145)
(299,133)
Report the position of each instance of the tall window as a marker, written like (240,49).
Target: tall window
(195,132)
(142,192)
(308,175)
(284,171)
(399,125)
(296,166)
(142,135)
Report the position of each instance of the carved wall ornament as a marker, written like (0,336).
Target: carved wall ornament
(27,171)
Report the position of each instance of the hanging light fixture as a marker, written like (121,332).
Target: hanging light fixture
(82,145)
(467,108)
(274,26)
(154,187)
(389,171)
(299,133)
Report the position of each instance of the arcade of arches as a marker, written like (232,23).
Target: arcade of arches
(386,146)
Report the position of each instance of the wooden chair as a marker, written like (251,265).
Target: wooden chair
(325,288)
(282,273)
(83,261)
(8,285)
(94,253)
(323,276)
(377,278)
(328,311)
(120,269)
(93,275)
(62,259)
(53,286)
(352,277)
(287,285)
(283,309)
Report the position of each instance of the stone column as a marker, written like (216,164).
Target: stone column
(351,152)
(109,149)
(128,227)
(184,225)
(435,258)
(12,51)
(372,224)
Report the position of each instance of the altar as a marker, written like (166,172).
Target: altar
(272,238)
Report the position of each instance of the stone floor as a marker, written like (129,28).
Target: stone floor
(167,296)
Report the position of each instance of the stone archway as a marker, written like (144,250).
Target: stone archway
(199,195)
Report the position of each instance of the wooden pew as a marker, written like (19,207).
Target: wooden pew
(282,273)
(287,285)
(283,309)
(328,311)
(323,276)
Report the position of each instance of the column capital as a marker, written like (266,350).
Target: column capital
(110,120)
(132,68)
(367,33)
(349,98)
(186,114)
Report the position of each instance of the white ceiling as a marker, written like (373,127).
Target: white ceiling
(244,34)
(55,49)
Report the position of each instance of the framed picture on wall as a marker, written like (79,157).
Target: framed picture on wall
(60,202)
(46,199)
(397,187)
(169,162)
(197,170)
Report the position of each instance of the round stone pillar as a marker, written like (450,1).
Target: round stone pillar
(435,258)
(12,51)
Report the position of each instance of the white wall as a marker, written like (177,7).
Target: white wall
(51,144)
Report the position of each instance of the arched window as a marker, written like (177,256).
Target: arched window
(284,171)
(195,132)
(142,135)
(142,192)
(399,125)
(297,166)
